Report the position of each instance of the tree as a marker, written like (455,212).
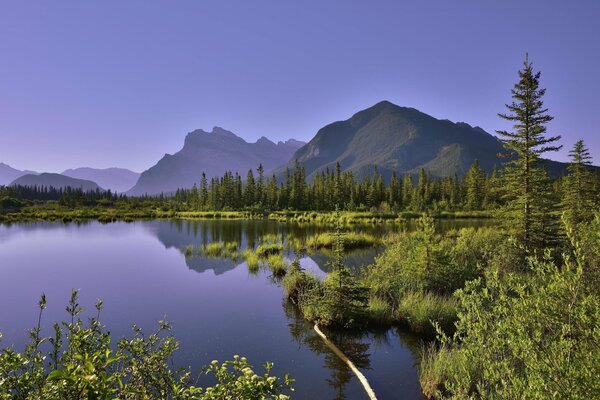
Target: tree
(344,299)
(475,187)
(578,191)
(527,213)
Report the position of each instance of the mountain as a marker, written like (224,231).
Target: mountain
(55,181)
(116,179)
(9,174)
(213,153)
(402,140)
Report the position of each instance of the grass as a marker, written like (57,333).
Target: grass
(277,264)
(267,249)
(379,311)
(221,249)
(418,310)
(352,240)
(252,260)
(436,366)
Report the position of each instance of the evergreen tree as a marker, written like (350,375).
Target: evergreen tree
(578,193)
(528,189)
(344,298)
(475,187)
(250,193)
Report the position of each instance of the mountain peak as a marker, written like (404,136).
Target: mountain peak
(263,140)
(217,130)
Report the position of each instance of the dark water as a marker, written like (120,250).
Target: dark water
(216,307)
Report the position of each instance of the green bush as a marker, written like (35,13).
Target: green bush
(82,364)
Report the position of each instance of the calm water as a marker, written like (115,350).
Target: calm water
(216,307)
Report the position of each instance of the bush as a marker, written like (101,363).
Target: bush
(82,364)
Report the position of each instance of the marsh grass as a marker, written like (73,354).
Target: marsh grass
(419,309)
(352,240)
(437,364)
(380,312)
(277,264)
(252,260)
(221,249)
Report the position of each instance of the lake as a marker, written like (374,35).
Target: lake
(217,308)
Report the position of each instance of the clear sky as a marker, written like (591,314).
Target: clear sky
(120,83)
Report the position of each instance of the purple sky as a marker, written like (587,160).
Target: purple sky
(120,83)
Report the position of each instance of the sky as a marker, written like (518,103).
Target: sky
(120,83)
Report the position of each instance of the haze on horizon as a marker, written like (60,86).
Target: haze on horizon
(121,83)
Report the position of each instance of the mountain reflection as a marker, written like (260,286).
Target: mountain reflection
(179,234)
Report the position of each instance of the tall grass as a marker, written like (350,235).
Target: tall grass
(419,309)
(277,264)
(252,260)
(352,240)
(438,363)
(221,249)
(267,249)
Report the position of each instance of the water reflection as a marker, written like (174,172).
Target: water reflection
(141,271)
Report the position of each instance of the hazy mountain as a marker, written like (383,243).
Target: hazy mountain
(116,179)
(213,153)
(55,181)
(402,140)
(9,174)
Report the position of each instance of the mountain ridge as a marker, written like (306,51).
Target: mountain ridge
(57,181)
(115,179)
(212,153)
(402,140)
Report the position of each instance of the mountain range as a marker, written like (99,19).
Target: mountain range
(385,137)
(57,181)
(402,140)
(212,153)
(9,174)
(116,179)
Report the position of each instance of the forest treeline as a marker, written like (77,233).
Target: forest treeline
(475,191)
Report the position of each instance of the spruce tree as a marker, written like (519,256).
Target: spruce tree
(475,187)
(527,185)
(578,191)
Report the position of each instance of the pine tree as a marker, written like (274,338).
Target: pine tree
(578,192)
(475,187)
(250,193)
(528,189)
(345,298)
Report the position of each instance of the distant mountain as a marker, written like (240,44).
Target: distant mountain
(402,140)
(54,180)
(9,174)
(213,153)
(116,179)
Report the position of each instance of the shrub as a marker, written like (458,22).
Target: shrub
(82,364)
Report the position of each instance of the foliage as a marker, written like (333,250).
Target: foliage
(528,335)
(527,186)
(580,187)
(82,363)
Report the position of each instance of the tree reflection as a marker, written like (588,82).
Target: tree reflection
(348,342)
